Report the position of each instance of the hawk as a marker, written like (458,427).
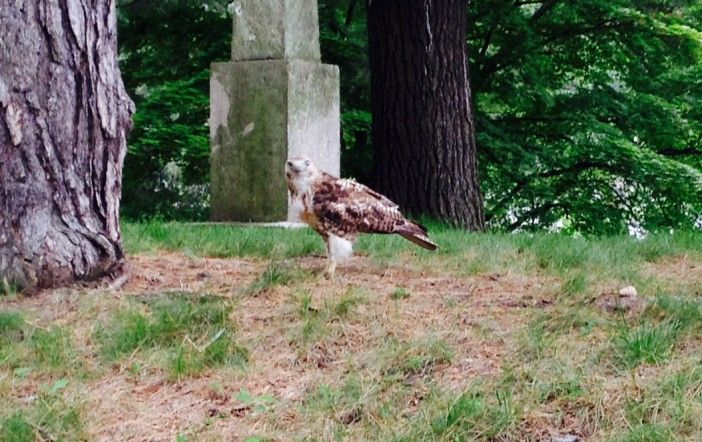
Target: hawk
(340,209)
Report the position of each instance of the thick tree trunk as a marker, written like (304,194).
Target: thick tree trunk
(423,129)
(64,119)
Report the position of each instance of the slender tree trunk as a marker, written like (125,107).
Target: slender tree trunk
(423,128)
(64,119)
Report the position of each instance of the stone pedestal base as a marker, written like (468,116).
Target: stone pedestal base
(262,113)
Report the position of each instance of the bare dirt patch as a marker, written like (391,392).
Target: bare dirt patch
(682,270)
(176,272)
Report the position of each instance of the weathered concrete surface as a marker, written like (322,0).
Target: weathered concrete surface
(263,112)
(313,125)
(275,29)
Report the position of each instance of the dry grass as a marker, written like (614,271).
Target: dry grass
(397,349)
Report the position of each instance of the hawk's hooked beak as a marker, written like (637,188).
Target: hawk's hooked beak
(290,166)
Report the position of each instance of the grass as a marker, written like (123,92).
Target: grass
(7,290)
(494,337)
(460,252)
(25,348)
(277,273)
(400,293)
(416,358)
(219,241)
(665,324)
(11,322)
(195,333)
(53,415)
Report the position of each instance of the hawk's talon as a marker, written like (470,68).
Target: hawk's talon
(330,270)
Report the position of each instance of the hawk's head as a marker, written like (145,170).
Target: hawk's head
(300,169)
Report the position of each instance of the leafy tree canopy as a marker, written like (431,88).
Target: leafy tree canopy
(589,111)
(166,48)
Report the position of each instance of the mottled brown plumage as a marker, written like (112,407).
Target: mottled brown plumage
(340,209)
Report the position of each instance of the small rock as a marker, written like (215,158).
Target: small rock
(628,291)
(626,300)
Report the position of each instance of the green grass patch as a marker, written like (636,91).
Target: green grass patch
(220,240)
(54,347)
(10,324)
(540,337)
(195,331)
(277,273)
(347,409)
(313,321)
(8,289)
(647,344)
(259,403)
(400,293)
(25,348)
(575,285)
(649,433)
(481,413)
(406,359)
(317,322)
(16,428)
(53,415)
(460,252)
(667,408)
(662,326)
(348,301)
(686,312)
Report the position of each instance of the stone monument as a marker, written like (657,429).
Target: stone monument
(275,100)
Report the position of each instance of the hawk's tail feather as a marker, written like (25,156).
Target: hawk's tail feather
(418,235)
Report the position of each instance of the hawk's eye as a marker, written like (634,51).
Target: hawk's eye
(307,162)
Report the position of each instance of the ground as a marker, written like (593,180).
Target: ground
(229,333)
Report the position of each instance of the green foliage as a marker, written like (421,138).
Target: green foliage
(589,113)
(166,48)
(344,42)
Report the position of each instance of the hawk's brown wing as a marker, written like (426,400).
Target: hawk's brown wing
(347,207)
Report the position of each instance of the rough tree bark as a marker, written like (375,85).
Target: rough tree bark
(64,119)
(423,128)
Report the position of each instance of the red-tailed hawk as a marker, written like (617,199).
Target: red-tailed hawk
(340,209)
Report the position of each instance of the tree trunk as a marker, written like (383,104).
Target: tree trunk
(423,129)
(64,120)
